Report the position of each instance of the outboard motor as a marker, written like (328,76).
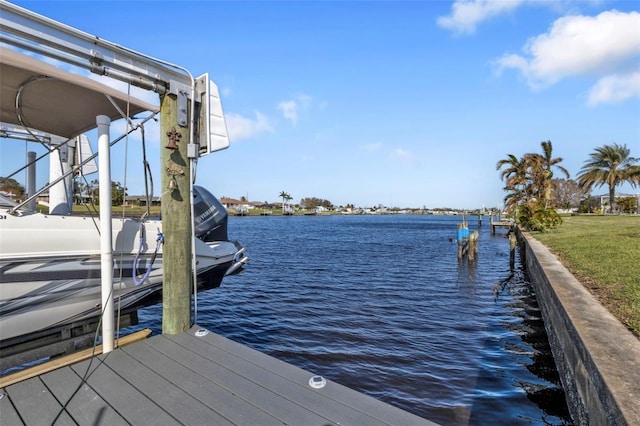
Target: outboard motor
(210,216)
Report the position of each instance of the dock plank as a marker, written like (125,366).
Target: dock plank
(132,404)
(86,406)
(36,404)
(63,361)
(337,403)
(189,379)
(8,413)
(278,380)
(258,403)
(147,370)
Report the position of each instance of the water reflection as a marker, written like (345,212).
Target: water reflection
(523,305)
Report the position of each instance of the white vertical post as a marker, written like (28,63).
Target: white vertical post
(60,194)
(31,178)
(106,254)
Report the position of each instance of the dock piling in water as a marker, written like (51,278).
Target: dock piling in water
(512,250)
(467,243)
(473,246)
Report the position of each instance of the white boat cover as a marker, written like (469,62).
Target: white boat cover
(63,104)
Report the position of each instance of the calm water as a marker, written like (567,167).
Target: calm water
(382,305)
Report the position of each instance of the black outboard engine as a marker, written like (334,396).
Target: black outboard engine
(210,216)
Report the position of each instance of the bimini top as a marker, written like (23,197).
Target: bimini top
(55,101)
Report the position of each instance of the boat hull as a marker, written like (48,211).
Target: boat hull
(50,270)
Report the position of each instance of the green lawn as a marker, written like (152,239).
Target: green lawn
(135,211)
(603,252)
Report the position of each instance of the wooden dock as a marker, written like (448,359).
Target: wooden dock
(500,223)
(192,378)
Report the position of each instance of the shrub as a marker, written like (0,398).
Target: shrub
(538,218)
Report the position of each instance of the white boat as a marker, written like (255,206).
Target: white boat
(50,268)
(50,265)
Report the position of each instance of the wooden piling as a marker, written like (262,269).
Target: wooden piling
(176,219)
(473,246)
(463,243)
(467,243)
(476,237)
(463,247)
(512,250)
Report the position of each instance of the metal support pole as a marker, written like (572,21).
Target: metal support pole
(106,247)
(31,181)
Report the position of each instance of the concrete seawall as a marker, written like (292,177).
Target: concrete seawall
(597,357)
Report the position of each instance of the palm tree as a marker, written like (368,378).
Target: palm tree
(541,170)
(514,176)
(513,199)
(611,165)
(284,197)
(528,182)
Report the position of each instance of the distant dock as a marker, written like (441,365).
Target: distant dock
(500,223)
(195,377)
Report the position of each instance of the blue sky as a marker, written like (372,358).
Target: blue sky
(397,103)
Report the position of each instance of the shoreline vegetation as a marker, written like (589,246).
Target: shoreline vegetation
(138,211)
(602,252)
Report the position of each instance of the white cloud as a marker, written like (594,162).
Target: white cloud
(615,89)
(603,46)
(240,127)
(291,108)
(467,14)
(578,45)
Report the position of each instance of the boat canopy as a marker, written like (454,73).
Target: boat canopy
(55,101)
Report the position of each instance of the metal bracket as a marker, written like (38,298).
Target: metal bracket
(175,87)
(183,93)
(183,99)
(201,85)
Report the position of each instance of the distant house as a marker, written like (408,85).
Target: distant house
(40,199)
(604,200)
(140,200)
(232,203)
(266,205)
(43,199)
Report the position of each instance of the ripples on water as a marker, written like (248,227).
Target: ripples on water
(381,304)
